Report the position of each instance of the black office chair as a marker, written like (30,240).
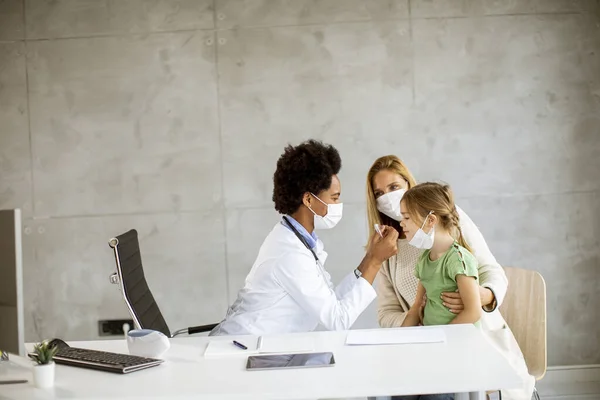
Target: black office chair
(138,298)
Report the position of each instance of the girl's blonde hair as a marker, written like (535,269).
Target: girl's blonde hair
(430,197)
(386,163)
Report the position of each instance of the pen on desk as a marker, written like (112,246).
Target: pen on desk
(13,382)
(241,346)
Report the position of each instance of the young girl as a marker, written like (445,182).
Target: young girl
(430,222)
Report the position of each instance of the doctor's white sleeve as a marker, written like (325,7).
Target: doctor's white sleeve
(299,275)
(345,285)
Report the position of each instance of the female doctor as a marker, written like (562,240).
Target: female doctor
(288,289)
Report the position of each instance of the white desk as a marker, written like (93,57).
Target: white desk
(359,371)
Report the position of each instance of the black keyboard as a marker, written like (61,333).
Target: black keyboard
(102,360)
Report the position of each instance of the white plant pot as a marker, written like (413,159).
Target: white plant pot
(43,375)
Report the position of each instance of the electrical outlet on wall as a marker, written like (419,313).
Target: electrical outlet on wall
(113,327)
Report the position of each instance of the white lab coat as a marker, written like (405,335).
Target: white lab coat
(287,291)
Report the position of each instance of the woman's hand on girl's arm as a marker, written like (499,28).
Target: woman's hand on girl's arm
(413,317)
(454,302)
(468,287)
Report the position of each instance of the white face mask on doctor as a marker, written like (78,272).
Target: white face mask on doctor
(423,240)
(333,216)
(389,204)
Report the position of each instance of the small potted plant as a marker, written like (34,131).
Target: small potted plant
(43,372)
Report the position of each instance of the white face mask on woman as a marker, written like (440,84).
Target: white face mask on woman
(333,216)
(389,204)
(423,240)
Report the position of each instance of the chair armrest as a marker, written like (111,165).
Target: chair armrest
(201,328)
(194,329)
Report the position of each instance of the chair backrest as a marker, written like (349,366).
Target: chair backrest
(12,336)
(524,309)
(139,299)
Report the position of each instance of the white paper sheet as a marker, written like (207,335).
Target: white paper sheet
(280,344)
(285,344)
(396,336)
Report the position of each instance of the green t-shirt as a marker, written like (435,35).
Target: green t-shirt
(440,276)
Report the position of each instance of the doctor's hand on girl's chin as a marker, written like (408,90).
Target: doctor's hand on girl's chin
(382,247)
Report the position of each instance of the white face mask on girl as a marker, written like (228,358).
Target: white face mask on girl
(389,204)
(423,240)
(333,216)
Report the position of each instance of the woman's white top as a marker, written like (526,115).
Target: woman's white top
(287,291)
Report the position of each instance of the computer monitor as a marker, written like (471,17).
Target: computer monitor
(12,336)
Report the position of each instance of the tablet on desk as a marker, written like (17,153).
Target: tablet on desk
(290,361)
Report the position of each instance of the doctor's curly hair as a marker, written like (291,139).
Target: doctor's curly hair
(307,167)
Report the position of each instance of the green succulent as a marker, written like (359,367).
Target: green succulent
(44,352)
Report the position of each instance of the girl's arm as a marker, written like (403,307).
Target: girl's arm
(469,291)
(413,316)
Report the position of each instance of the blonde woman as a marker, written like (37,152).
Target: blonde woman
(387,181)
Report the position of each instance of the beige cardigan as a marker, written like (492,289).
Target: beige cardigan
(397,285)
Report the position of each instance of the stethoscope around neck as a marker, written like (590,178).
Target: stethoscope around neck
(305,243)
(299,236)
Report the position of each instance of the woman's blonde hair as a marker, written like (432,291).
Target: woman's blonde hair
(437,199)
(386,163)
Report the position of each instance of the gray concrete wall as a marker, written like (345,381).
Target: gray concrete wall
(168,116)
